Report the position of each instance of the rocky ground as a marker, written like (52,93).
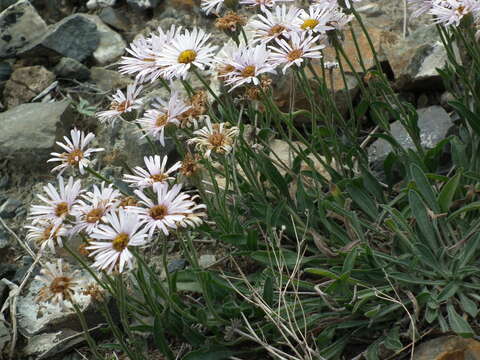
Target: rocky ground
(57,67)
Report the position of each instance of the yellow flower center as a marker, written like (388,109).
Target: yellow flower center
(159,177)
(60,284)
(94,215)
(294,54)
(276,29)
(158,212)
(161,120)
(61,209)
(187,56)
(74,157)
(120,242)
(248,71)
(309,24)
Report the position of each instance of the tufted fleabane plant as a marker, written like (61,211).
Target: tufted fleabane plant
(111,241)
(45,234)
(76,153)
(122,104)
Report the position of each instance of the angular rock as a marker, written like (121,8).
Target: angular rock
(114,18)
(5,71)
(434,124)
(25,83)
(21,28)
(75,36)
(9,207)
(414,60)
(28,132)
(108,80)
(143,4)
(206,260)
(176,265)
(71,69)
(448,348)
(111,45)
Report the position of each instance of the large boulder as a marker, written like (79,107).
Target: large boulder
(28,132)
(21,28)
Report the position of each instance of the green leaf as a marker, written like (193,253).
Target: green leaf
(447,292)
(424,223)
(424,187)
(467,208)
(458,324)
(268,291)
(392,341)
(213,352)
(159,338)
(373,312)
(363,200)
(468,305)
(448,191)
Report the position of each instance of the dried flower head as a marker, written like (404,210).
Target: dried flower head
(46,234)
(190,165)
(215,137)
(60,284)
(230,22)
(198,108)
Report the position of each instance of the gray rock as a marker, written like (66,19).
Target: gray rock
(4,182)
(4,243)
(28,132)
(111,45)
(114,18)
(95,4)
(25,83)
(176,265)
(5,70)
(6,3)
(75,36)
(9,208)
(5,335)
(21,28)
(71,69)
(434,123)
(206,260)
(143,4)
(414,60)
(108,80)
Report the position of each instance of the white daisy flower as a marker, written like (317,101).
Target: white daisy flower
(46,234)
(163,114)
(211,6)
(155,172)
(112,251)
(187,49)
(91,212)
(171,207)
(448,12)
(300,47)
(76,154)
(420,7)
(248,64)
(318,18)
(263,4)
(60,284)
(195,218)
(214,137)
(273,24)
(121,104)
(58,204)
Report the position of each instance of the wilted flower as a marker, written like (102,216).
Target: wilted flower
(60,284)
(190,165)
(230,22)
(58,205)
(122,104)
(448,12)
(215,137)
(198,106)
(46,234)
(211,6)
(121,232)
(163,114)
(76,154)
(155,173)
(170,208)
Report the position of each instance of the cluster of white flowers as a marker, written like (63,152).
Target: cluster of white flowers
(446,12)
(111,222)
